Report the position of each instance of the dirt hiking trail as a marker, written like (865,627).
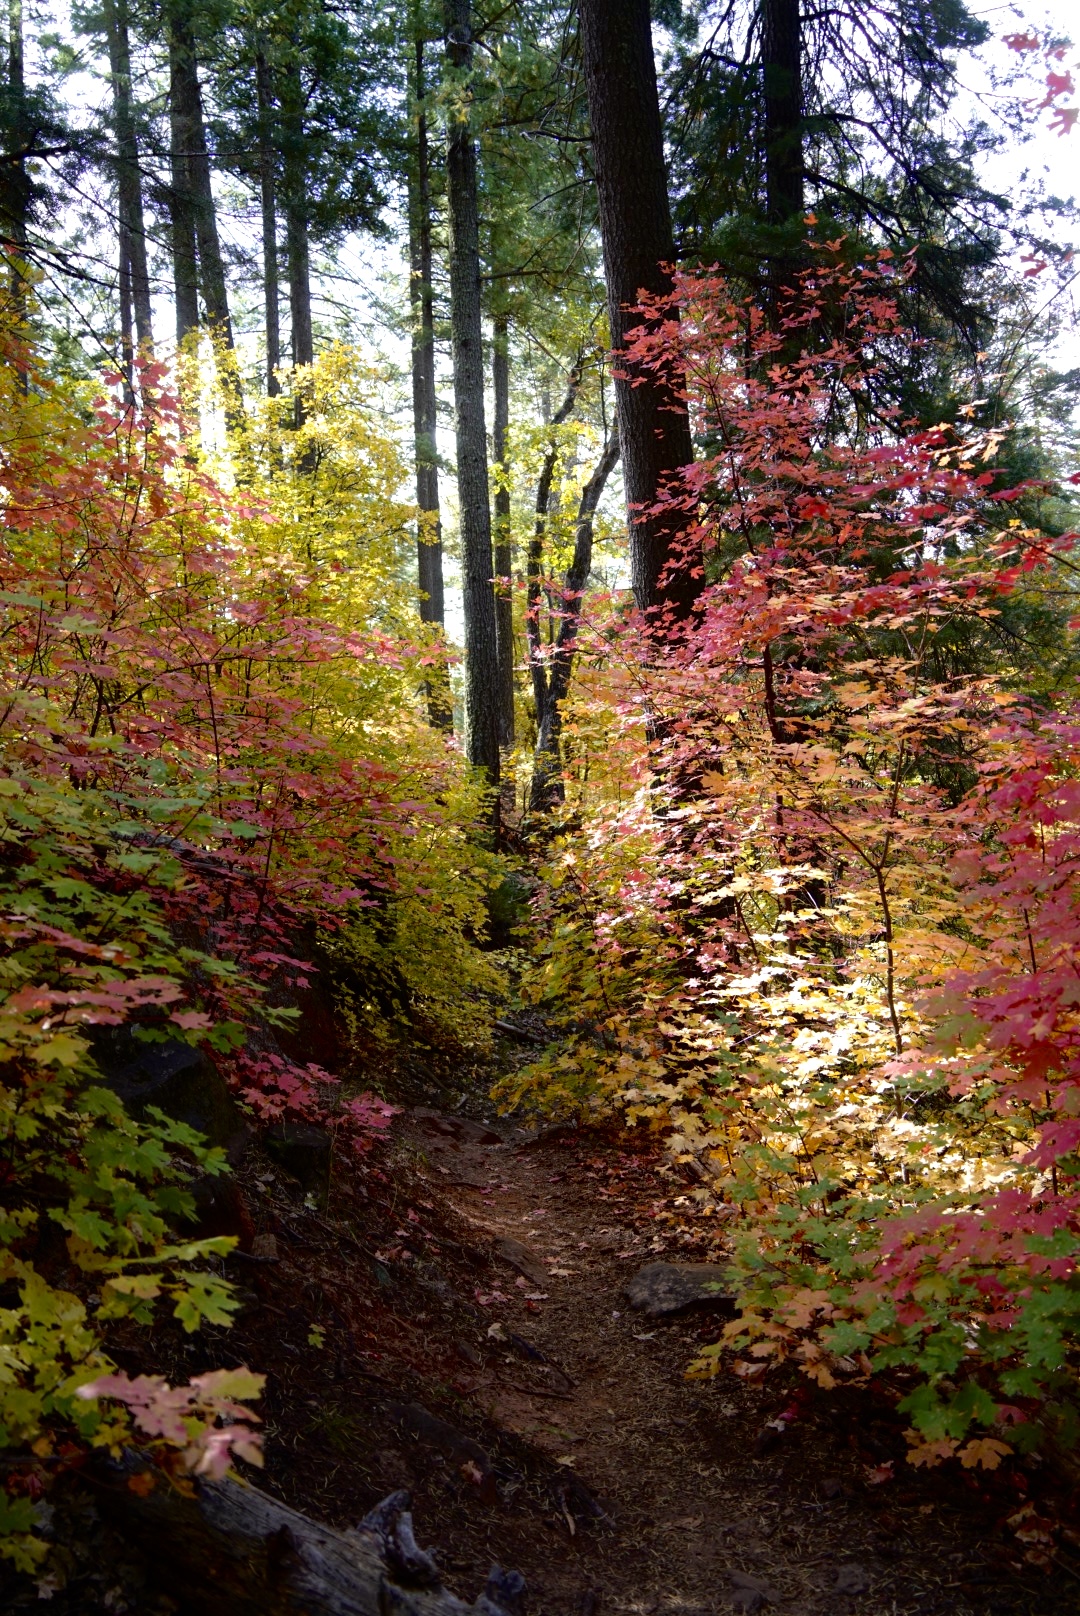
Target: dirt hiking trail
(453,1321)
(541,1423)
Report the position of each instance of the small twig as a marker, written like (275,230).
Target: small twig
(522,1033)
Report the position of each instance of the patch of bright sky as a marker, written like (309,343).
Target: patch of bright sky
(1044,156)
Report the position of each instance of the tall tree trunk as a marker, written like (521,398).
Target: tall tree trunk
(429,553)
(185,87)
(297,246)
(265,94)
(503,557)
(299,253)
(635,223)
(534,566)
(189,128)
(481,631)
(181,202)
(425,401)
(17,182)
(127,335)
(129,183)
(546,788)
(781,73)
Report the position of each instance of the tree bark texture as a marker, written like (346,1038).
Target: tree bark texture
(297,247)
(17,185)
(297,243)
(429,543)
(635,223)
(232,1550)
(546,788)
(781,73)
(16,180)
(534,566)
(181,202)
(128,180)
(429,552)
(268,197)
(503,557)
(299,252)
(187,96)
(781,88)
(127,335)
(481,631)
(425,401)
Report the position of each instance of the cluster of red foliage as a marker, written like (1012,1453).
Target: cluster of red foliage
(1058,78)
(864,1008)
(153,655)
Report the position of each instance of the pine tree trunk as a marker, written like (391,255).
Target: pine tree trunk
(16,180)
(297,249)
(272,314)
(503,557)
(781,71)
(299,254)
(425,402)
(127,334)
(534,565)
(181,202)
(546,788)
(189,140)
(635,223)
(185,89)
(481,633)
(429,553)
(297,244)
(129,183)
(18,185)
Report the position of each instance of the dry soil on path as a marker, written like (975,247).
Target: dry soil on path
(454,1322)
(647,1492)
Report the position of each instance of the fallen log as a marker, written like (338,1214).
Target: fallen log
(225,1547)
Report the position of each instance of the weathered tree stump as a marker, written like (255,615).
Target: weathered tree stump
(231,1549)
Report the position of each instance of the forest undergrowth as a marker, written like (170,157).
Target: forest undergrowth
(806,915)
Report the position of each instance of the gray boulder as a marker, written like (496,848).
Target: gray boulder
(664,1287)
(179,1079)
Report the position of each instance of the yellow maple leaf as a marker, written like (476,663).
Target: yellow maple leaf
(985,1451)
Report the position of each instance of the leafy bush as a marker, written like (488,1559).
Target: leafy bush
(821,917)
(210,758)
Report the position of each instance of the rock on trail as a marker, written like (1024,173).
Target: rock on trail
(664,1287)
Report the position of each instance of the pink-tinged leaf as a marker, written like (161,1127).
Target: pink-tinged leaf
(191,1020)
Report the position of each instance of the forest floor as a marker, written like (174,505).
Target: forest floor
(542,1424)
